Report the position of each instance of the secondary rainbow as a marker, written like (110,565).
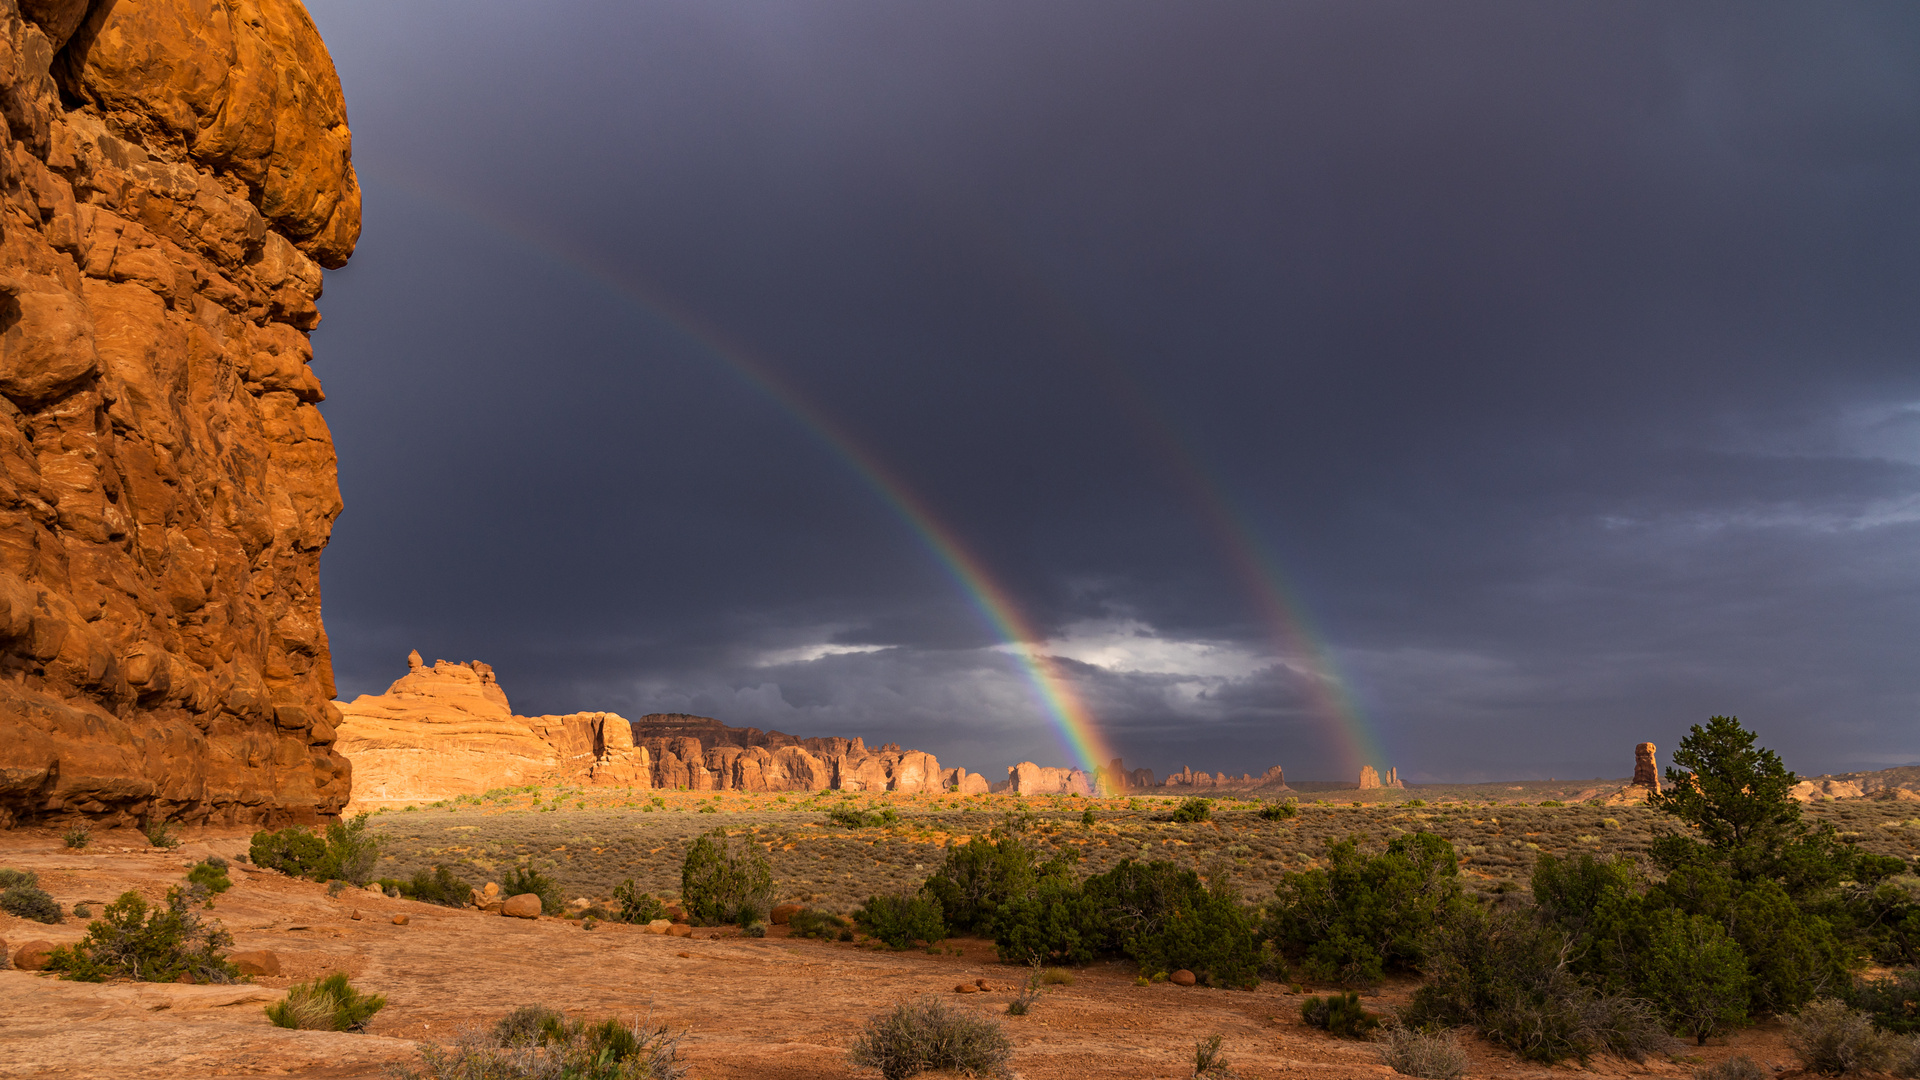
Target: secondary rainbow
(1075,724)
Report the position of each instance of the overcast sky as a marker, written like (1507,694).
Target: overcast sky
(1560,361)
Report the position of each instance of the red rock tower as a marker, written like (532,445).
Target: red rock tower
(1646,774)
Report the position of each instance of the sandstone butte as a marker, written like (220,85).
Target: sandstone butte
(174,175)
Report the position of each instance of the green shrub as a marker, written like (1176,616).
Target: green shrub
(351,853)
(530,1025)
(634,906)
(1832,1039)
(722,884)
(1501,973)
(1280,810)
(854,818)
(1695,973)
(1735,1068)
(211,875)
(902,920)
(539,1043)
(1351,921)
(325,1004)
(293,851)
(1339,1014)
(1432,1055)
(159,944)
(1158,915)
(809,923)
(440,886)
(78,837)
(29,901)
(983,874)
(526,879)
(1893,1000)
(160,834)
(1192,811)
(920,1036)
(10,878)
(1208,1062)
(1087,820)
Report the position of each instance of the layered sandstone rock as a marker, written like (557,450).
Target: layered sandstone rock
(449,730)
(174,174)
(437,732)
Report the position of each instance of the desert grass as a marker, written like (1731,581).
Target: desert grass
(591,840)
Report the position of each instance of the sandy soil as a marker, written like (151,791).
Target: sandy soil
(769,1009)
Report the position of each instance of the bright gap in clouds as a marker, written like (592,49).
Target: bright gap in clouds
(1133,647)
(805,654)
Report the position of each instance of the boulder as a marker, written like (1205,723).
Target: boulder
(523,906)
(783,914)
(491,890)
(679,930)
(400,919)
(33,955)
(376,888)
(1183,977)
(966,988)
(659,926)
(256,962)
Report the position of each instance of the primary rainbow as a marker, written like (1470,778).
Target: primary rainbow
(1055,691)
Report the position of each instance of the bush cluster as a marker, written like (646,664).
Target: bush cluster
(920,1036)
(1359,916)
(211,875)
(540,1043)
(1340,1014)
(150,944)
(525,879)
(1431,1055)
(855,818)
(822,925)
(633,906)
(721,883)
(22,896)
(348,852)
(438,886)
(1191,811)
(329,1003)
(901,920)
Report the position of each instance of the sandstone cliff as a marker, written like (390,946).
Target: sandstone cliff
(173,176)
(449,730)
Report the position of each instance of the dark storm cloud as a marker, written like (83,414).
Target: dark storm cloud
(1564,356)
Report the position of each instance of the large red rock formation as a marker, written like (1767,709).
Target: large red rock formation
(449,730)
(1646,774)
(173,176)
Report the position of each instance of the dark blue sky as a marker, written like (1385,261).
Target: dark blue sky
(1565,360)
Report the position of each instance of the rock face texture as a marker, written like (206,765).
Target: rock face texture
(173,176)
